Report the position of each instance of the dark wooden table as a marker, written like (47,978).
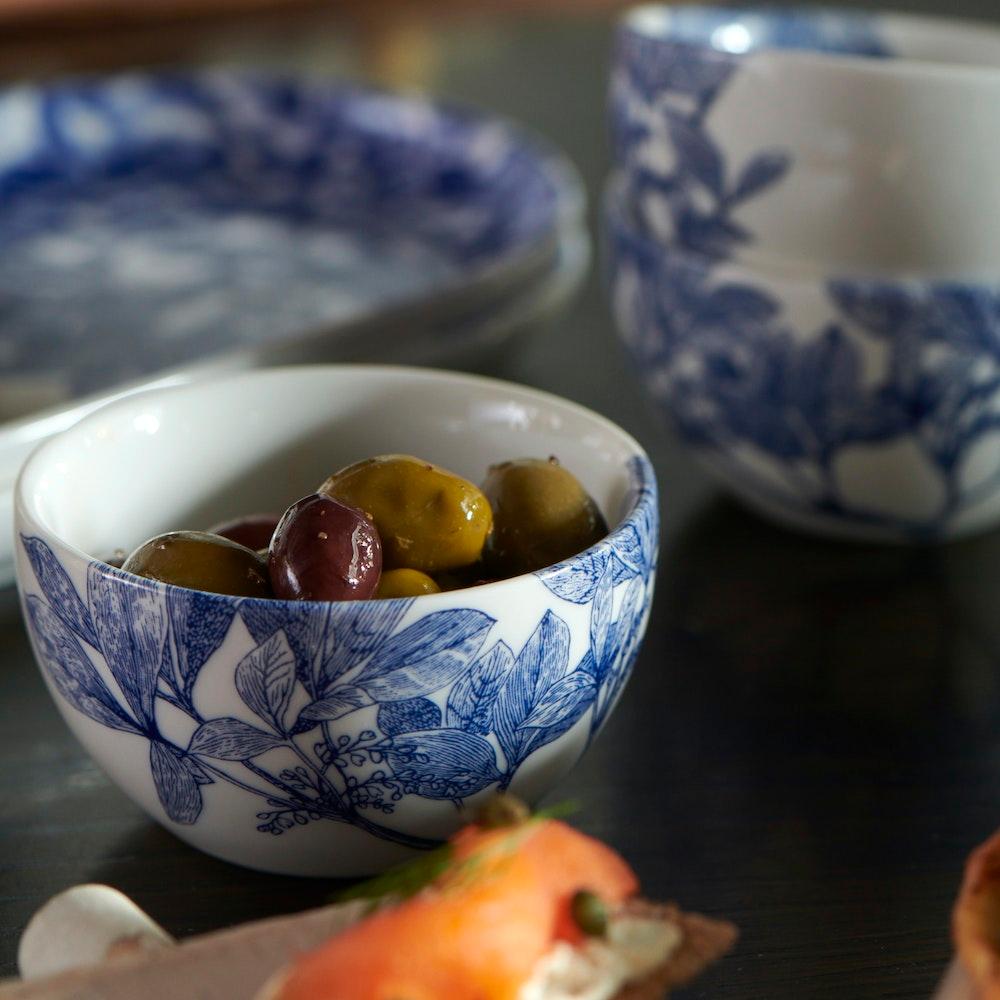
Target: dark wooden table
(811,741)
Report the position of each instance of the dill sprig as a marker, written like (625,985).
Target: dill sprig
(410,877)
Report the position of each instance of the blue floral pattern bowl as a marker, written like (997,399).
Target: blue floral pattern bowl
(313,738)
(852,407)
(816,135)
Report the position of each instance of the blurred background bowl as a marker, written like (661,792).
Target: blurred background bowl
(863,407)
(324,738)
(854,141)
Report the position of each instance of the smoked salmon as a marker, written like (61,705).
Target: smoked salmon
(516,913)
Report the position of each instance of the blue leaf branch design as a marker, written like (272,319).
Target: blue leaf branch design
(265,678)
(696,153)
(232,739)
(472,700)
(58,589)
(71,670)
(600,615)
(131,624)
(576,579)
(443,763)
(760,173)
(425,656)
(395,717)
(542,662)
(198,624)
(358,636)
(564,700)
(340,702)
(177,782)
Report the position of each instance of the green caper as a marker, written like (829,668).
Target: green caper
(201,561)
(503,809)
(541,515)
(589,913)
(428,518)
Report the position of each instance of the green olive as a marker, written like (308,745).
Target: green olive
(541,515)
(201,561)
(429,519)
(405,583)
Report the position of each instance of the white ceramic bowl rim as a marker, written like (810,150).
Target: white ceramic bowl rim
(639,505)
(647,21)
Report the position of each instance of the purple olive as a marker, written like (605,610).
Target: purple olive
(323,550)
(253,531)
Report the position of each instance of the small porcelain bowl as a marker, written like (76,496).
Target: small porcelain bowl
(323,738)
(847,139)
(862,408)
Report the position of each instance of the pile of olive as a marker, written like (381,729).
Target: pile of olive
(391,526)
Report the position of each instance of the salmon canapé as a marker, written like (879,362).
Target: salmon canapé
(513,912)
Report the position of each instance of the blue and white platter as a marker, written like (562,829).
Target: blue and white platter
(148,222)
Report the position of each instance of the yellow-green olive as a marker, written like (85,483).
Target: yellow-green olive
(541,515)
(428,518)
(405,583)
(201,561)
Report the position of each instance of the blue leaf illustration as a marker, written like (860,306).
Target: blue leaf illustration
(306,630)
(59,589)
(426,656)
(736,304)
(612,673)
(562,701)
(397,717)
(542,661)
(200,623)
(177,785)
(359,634)
(472,699)
(761,172)
(265,678)
(131,625)
(327,641)
(71,671)
(880,309)
(696,153)
(635,546)
(711,235)
(443,763)
(600,615)
(576,579)
(232,739)
(339,702)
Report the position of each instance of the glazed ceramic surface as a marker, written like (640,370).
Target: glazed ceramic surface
(324,739)
(151,221)
(864,408)
(848,140)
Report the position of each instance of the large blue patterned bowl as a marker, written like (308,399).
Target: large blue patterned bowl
(841,138)
(312,738)
(851,407)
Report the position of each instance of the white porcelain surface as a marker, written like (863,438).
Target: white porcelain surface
(450,696)
(880,162)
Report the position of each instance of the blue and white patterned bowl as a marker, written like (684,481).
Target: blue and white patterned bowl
(860,408)
(850,140)
(152,221)
(310,738)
